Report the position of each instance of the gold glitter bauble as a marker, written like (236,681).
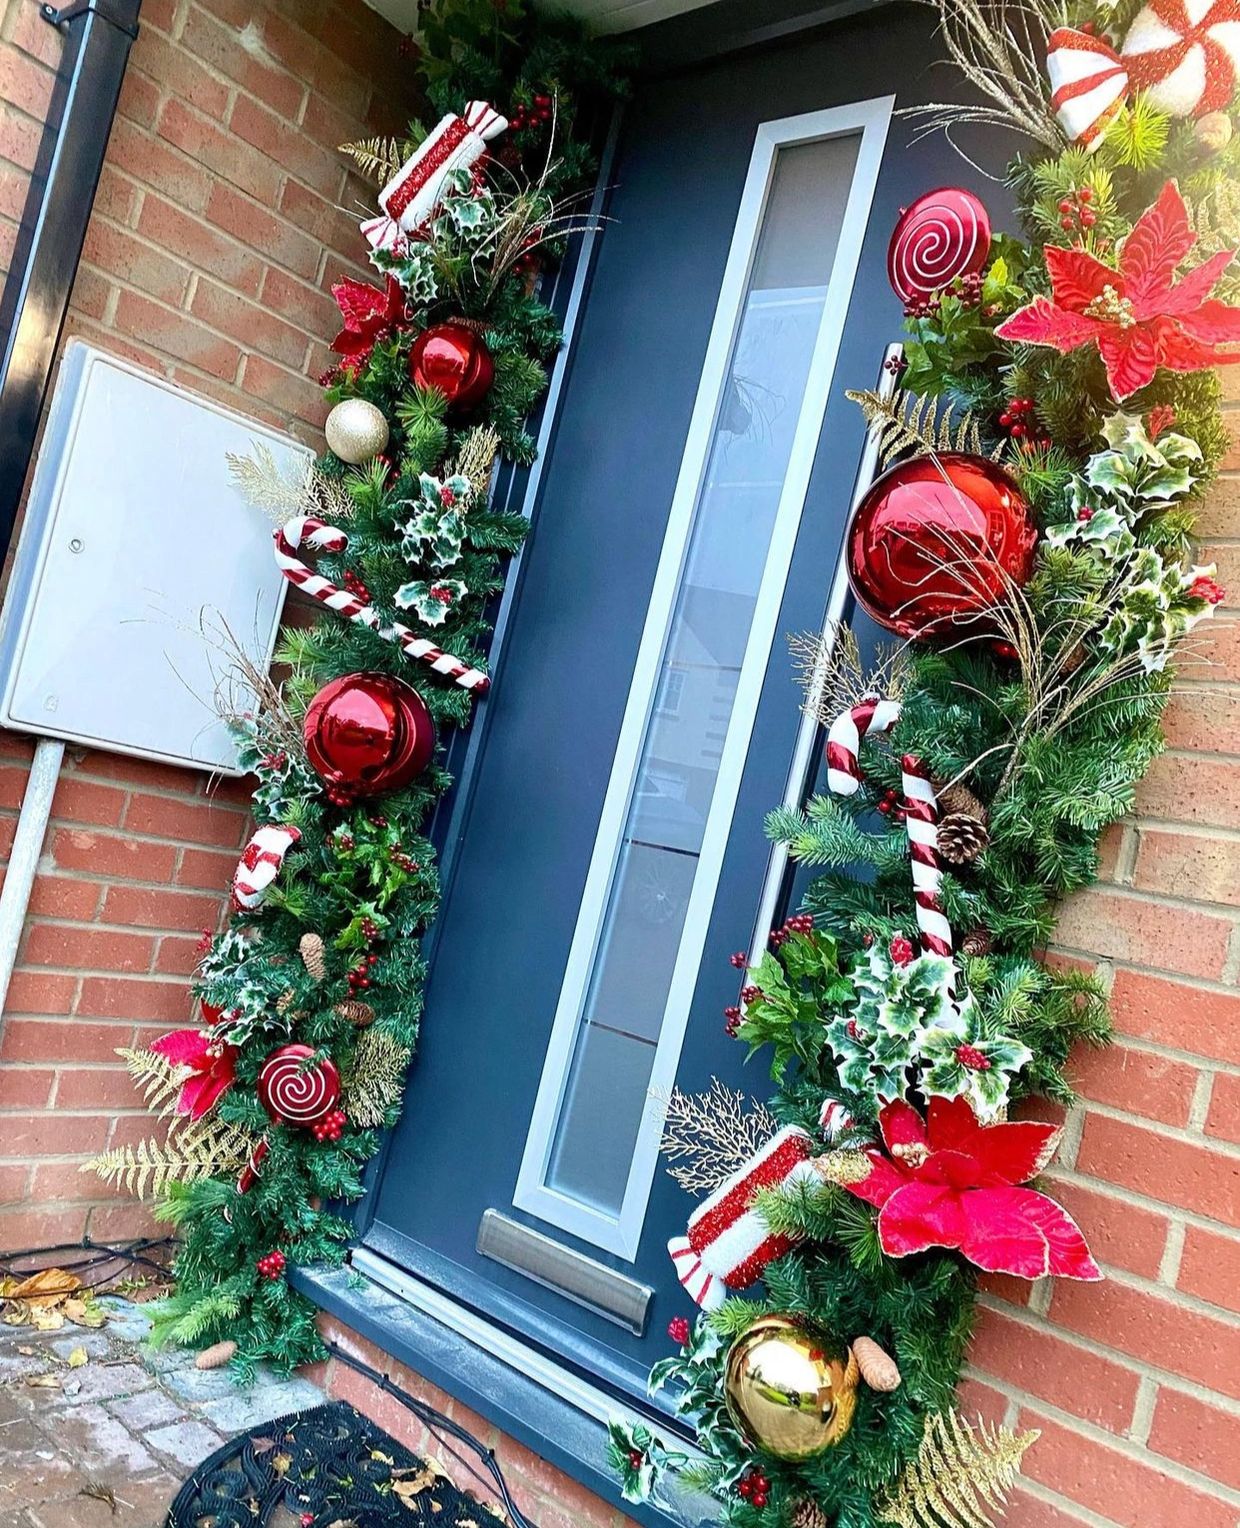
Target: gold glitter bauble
(356,431)
(790,1387)
(1213,131)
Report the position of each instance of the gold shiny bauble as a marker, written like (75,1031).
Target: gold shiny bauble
(790,1387)
(356,430)
(1213,131)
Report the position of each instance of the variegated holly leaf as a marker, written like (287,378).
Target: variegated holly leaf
(432,602)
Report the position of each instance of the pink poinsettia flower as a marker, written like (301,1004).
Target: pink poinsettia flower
(211,1065)
(1137,315)
(948,1181)
(369,315)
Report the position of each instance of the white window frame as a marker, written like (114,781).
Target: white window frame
(621,1234)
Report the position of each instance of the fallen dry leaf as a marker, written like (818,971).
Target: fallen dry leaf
(47,1287)
(282,1463)
(26,1350)
(78,1358)
(16,1313)
(97,1491)
(43,1381)
(46,1318)
(84,1312)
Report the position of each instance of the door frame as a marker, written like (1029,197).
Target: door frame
(621,1234)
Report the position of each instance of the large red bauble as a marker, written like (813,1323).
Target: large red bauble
(296,1089)
(452,358)
(938,542)
(367,733)
(944,234)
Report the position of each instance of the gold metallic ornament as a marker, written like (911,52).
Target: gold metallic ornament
(790,1387)
(1213,131)
(356,431)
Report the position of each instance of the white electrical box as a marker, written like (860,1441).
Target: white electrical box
(137,557)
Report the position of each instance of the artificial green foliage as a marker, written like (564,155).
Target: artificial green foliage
(332,958)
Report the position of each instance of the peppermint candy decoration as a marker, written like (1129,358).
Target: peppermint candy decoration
(1088,84)
(834,1120)
(253,1169)
(259,865)
(943,235)
(305,530)
(1184,54)
(298,1087)
(921,823)
(870,716)
(728,1243)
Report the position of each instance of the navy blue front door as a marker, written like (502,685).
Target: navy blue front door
(644,713)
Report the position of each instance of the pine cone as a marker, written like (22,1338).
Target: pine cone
(356,1012)
(977,941)
(958,800)
(962,838)
(217,1356)
(808,1514)
(311,947)
(878,1369)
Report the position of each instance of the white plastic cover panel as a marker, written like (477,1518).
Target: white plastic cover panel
(137,554)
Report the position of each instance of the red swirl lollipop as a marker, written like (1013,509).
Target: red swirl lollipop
(297,1089)
(944,234)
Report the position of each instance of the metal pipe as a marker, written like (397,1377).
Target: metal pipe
(36,808)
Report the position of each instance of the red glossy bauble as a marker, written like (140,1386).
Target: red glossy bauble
(367,733)
(944,234)
(938,542)
(297,1089)
(452,358)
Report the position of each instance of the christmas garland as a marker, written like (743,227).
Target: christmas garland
(1053,422)
(312,998)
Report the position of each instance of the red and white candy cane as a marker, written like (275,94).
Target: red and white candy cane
(260,864)
(304,530)
(921,822)
(870,715)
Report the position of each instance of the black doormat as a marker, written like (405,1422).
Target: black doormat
(325,1468)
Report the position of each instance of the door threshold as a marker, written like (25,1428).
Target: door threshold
(556,1413)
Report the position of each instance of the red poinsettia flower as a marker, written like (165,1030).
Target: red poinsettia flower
(211,1066)
(369,315)
(948,1181)
(1139,317)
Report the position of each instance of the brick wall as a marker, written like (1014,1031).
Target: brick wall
(216,234)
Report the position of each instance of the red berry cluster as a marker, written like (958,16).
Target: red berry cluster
(403,861)
(732,1021)
(1203,587)
(678,1329)
(753,1486)
(369,930)
(896,365)
(1019,418)
(340,795)
(902,951)
(356,587)
(740,960)
(1075,213)
(204,944)
(636,1458)
(533,116)
(271,1264)
(969,1056)
(751,994)
(359,976)
(890,803)
(441,593)
(803,923)
(447,496)
(1085,514)
(330,1127)
(378,820)
(1162,417)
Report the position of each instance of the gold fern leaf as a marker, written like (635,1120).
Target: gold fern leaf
(155,1077)
(201,1149)
(915,422)
(962,1474)
(378,158)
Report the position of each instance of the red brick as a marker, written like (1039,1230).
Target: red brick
(78,800)
(102,854)
(297,395)
(158,909)
(224,51)
(112,1223)
(115,997)
(289,45)
(1156,1329)
(300,155)
(29,32)
(1197,866)
(1136,1081)
(13,785)
(208,144)
(250,325)
(96,1088)
(1036,1361)
(1120,1235)
(54,1134)
(299,302)
(1116,1483)
(66,1183)
(118,253)
(24,1228)
(323,220)
(1174,1171)
(177,956)
(139,99)
(115,198)
(257,226)
(177,334)
(1176,1015)
(176,70)
(203,247)
(1219,513)
(25,1087)
(191,822)
(1187,788)
(64,896)
(1130,928)
(1210,1268)
(201,867)
(13,1183)
(91,292)
(326,124)
(24,83)
(87,949)
(158,165)
(19,138)
(1205,1438)
(40,992)
(1223,1119)
(144,772)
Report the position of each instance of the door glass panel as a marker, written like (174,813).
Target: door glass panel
(604,1091)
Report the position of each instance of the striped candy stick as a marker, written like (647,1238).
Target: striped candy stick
(871,715)
(305,530)
(921,822)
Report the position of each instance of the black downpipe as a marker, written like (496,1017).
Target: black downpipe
(98,36)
